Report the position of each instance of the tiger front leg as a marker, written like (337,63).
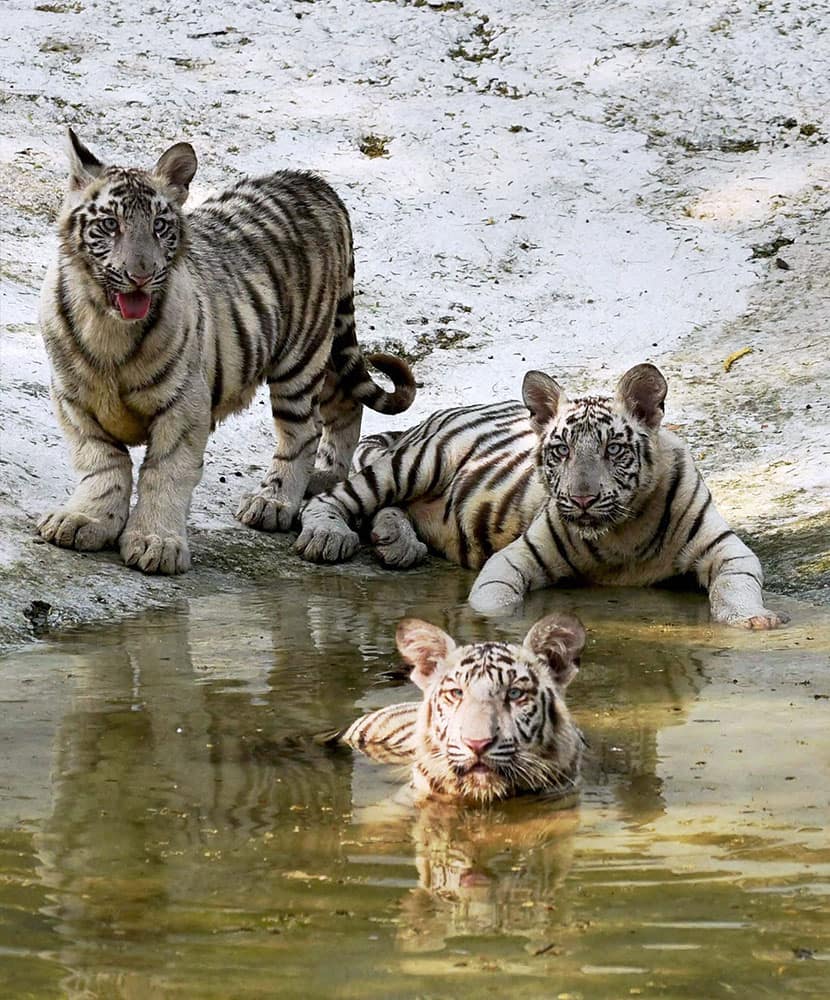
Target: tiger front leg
(95,515)
(734,577)
(501,585)
(528,563)
(155,538)
(325,535)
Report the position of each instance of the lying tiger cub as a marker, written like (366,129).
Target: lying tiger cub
(493,721)
(592,489)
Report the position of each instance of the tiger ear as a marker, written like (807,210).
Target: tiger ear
(424,646)
(176,168)
(642,391)
(559,640)
(542,396)
(84,166)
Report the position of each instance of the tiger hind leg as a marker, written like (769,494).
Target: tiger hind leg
(394,539)
(391,477)
(341,418)
(297,426)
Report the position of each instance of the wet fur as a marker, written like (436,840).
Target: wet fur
(535,747)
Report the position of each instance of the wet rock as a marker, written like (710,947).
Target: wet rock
(38,615)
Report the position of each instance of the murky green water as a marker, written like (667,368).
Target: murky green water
(167,829)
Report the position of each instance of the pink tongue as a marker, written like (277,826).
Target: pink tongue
(133,305)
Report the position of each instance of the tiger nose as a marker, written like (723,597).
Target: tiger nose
(583,501)
(478,746)
(140,280)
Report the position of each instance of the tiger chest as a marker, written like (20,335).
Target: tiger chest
(123,422)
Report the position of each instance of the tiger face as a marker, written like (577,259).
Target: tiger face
(596,454)
(493,722)
(125,226)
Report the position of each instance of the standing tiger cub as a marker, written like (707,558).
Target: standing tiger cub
(592,489)
(159,325)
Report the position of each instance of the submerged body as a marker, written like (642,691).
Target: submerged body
(591,489)
(493,721)
(159,325)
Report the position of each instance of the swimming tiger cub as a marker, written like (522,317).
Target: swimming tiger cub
(493,721)
(159,325)
(592,489)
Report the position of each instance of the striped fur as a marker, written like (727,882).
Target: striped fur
(592,489)
(493,721)
(159,325)
(464,478)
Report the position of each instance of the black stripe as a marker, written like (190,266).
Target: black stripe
(216,391)
(713,543)
(560,546)
(359,509)
(535,553)
(298,366)
(698,521)
(653,546)
(161,374)
(65,313)
(242,338)
(412,476)
(371,480)
(481,530)
(689,506)
(101,471)
(152,459)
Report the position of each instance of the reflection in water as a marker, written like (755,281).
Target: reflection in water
(192,840)
(492,874)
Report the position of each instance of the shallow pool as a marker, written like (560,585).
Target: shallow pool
(169,828)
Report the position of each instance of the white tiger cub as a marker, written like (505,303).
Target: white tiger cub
(592,489)
(493,722)
(159,325)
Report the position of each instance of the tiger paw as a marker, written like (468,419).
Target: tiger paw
(266,513)
(395,541)
(493,597)
(167,554)
(73,530)
(762,622)
(330,543)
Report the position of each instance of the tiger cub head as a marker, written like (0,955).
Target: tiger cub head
(493,721)
(124,226)
(598,455)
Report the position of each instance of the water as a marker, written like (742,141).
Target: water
(169,829)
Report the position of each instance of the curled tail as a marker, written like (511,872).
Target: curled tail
(372,395)
(349,363)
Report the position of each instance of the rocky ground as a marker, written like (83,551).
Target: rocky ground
(573,187)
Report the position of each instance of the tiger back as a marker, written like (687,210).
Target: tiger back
(158,325)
